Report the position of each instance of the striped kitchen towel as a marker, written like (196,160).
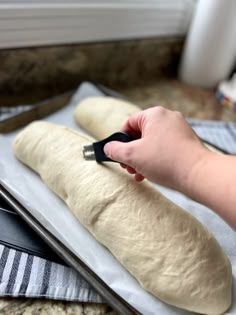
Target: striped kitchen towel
(22,274)
(218,133)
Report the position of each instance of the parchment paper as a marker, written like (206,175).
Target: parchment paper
(29,189)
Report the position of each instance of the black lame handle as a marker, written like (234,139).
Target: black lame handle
(98,146)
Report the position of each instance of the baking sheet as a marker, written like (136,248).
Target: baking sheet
(28,188)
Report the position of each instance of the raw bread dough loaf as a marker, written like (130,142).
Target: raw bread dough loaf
(102,116)
(167,250)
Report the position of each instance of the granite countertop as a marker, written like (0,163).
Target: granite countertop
(192,102)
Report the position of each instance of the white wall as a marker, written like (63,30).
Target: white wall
(34,23)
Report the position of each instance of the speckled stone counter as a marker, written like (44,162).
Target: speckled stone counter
(9,306)
(192,102)
(28,75)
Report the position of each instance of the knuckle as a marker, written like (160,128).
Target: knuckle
(161,109)
(178,114)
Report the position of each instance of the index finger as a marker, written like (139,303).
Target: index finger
(134,124)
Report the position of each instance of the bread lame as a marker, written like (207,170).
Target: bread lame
(95,150)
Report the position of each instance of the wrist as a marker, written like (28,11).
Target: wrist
(193,171)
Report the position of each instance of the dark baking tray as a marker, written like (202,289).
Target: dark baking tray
(16,233)
(20,116)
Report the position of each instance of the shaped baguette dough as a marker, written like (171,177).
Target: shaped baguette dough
(166,249)
(102,116)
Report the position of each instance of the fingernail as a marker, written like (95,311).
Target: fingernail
(107,149)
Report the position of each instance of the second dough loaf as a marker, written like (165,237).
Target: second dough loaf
(102,116)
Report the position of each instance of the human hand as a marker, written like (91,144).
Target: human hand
(166,149)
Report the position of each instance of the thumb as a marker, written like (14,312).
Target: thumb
(122,152)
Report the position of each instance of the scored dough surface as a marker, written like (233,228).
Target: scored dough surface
(167,250)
